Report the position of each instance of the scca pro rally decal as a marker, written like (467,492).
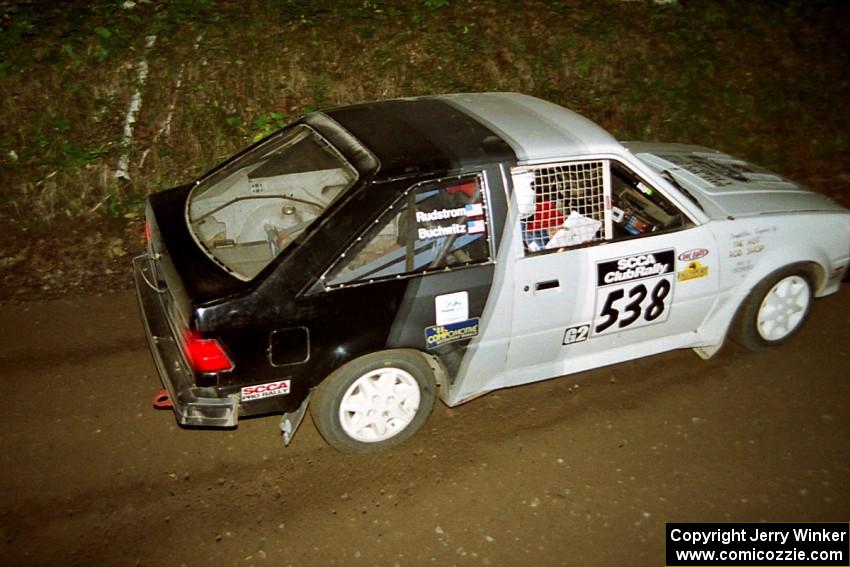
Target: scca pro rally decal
(261,391)
(633,291)
(442,334)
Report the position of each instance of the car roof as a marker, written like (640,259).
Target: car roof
(419,135)
(452,131)
(536,129)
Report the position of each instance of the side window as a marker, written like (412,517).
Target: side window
(436,225)
(638,208)
(576,203)
(562,204)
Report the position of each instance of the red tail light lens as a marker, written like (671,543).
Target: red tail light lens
(205,355)
(148,232)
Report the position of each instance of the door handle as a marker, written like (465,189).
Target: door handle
(548,284)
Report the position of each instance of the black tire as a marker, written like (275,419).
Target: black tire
(775,309)
(399,386)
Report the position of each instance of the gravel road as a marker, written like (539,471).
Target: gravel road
(583,470)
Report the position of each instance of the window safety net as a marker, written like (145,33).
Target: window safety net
(569,204)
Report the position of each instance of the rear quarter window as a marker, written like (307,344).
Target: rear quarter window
(436,225)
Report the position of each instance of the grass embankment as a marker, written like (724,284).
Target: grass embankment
(765,80)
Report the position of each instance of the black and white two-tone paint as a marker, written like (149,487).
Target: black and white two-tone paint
(365,260)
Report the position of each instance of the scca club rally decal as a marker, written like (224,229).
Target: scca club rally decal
(268,390)
(633,291)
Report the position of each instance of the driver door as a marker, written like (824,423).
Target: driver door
(641,284)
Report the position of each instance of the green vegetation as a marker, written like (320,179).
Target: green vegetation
(765,80)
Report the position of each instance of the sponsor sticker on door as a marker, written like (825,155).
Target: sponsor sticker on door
(693,254)
(451,307)
(438,335)
(693,271)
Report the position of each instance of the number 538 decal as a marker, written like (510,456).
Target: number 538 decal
(633,291)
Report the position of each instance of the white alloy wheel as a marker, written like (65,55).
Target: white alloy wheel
(783,308)
(379,404)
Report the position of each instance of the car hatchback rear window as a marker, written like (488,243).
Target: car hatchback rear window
(248,212)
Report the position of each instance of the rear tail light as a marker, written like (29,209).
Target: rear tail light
(148,235)
(205,355)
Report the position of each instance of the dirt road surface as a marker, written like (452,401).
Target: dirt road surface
(583,470)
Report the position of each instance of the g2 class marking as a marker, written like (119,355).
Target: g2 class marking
(576,334)
(625,297)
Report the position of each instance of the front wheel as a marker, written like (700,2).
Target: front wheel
(775,309)
(375,401)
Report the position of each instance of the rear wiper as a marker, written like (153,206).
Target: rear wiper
(665,173)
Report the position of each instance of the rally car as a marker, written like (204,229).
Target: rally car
(366,259)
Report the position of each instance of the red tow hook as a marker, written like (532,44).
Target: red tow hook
(162,400)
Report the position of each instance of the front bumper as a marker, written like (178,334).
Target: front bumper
(191,406)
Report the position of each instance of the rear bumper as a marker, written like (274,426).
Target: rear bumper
(191,406)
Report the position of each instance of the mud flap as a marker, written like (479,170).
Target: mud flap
(706,352)
(290,421)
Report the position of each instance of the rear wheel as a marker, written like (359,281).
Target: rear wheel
(374,402)
(775,310)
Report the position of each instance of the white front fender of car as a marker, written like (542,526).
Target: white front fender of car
(779,249)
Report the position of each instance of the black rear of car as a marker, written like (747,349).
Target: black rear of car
(212,324)
(252,290)
(169,314)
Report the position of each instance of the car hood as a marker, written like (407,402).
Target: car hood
(726,185)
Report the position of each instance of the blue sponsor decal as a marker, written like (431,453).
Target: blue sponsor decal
(442,334)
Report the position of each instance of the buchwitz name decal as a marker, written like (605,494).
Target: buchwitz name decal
(439,231)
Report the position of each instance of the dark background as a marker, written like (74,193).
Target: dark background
(766,81)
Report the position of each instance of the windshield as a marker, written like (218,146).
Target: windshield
(253,208)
